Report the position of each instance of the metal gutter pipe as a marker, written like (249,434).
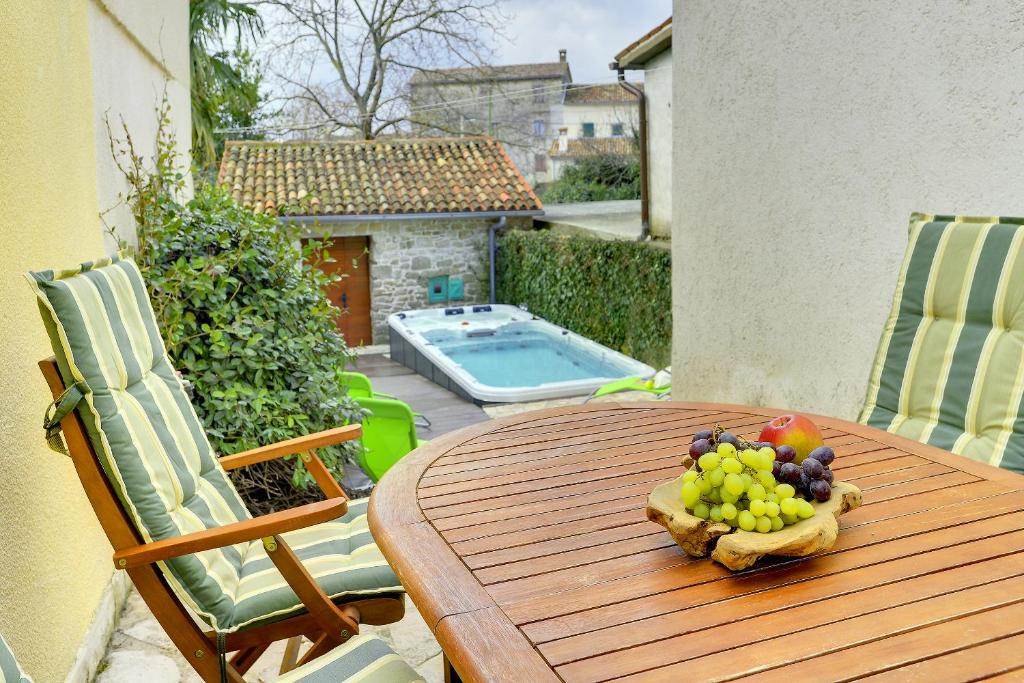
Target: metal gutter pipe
(645,192)
(492,240)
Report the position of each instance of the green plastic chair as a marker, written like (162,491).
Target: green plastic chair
(389,433)
(948,371)
(359,387)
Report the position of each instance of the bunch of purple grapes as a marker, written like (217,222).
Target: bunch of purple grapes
(812,478)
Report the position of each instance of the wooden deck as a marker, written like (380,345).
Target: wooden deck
(446,411)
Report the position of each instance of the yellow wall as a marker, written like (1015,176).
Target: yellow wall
(54,559)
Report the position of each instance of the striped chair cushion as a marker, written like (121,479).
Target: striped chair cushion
(148,438)
(361,659)
(341,556)
(13,673)
(950,366)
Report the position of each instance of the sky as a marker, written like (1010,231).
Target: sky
(593,31)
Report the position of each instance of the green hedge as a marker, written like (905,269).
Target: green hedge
(618,293)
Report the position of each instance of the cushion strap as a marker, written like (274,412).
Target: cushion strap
(57,411)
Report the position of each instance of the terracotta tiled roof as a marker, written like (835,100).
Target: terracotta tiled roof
(585,147)
(375,177)
(508,72)
(606,93)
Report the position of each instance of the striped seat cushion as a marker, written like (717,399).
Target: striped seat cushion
(361,659)
(147,436)
(341,556)
(950,366)
(12,672)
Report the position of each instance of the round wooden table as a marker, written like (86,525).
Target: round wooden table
(524,544)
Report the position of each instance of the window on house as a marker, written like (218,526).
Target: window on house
(538,93)
(540,163)
(538,128)
(588,130)
(617,130)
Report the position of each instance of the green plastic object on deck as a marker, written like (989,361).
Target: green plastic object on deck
(389,433)
(359,386)
(630,384)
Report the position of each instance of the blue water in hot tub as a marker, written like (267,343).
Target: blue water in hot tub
(520,355)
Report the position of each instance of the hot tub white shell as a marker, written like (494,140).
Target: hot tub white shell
(410,348)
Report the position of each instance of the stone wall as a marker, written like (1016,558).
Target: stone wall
(405,254)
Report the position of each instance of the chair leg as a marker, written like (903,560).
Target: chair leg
(291,654)
(244,659)
(321,646)
(193,644)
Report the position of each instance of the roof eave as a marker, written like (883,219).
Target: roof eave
(636,57)
(387,217)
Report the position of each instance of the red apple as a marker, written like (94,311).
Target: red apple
(793,430)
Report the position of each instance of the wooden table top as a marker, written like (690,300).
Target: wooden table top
(524,544)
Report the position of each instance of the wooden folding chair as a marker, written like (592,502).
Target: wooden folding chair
(164,499)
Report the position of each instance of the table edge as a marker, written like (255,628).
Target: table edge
(391,517)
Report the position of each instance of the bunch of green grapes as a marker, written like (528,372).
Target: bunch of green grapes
(737,487)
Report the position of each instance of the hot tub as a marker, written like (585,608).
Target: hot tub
(503,354)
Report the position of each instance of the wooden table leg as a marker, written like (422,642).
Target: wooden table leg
(450,674)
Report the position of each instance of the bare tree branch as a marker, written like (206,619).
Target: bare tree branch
(350,61)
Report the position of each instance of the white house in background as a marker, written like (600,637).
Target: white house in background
(596,119)
(652,53)
(566,151)
(605,110)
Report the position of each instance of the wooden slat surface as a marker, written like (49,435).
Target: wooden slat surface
(525,545)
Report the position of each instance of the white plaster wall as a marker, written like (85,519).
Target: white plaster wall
(139,50)
(658,87)
(804,134)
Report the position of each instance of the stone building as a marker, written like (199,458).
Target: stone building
(406,221)
(517,104)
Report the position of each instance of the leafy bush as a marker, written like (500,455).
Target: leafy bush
(597,178)
(616,292)
(244,319)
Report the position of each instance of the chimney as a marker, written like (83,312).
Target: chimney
(561,55)
(563,139)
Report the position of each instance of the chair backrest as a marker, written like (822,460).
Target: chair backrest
(141,424)
(950,365)
(389,432)
(10,670)
(358,384)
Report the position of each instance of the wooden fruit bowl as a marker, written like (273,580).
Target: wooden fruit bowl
(738,549)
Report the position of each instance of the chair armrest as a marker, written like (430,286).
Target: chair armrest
(308,442)
(230,534)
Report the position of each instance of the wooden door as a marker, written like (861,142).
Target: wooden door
(351,294)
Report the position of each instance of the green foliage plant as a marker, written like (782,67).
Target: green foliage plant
(596,178)
(239,300)
(616,292)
